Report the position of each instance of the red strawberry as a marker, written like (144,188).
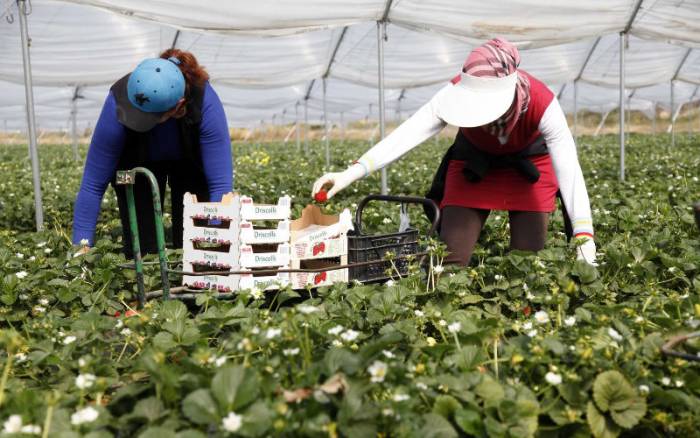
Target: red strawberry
(321,247)
(321,196)
(129,313)
(527,310)
(117,314)
(320,277)
(318,248)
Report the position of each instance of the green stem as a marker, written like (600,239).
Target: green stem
(495,356)
(6,375)
(47,421)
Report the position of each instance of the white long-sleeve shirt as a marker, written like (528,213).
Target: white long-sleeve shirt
(427,122)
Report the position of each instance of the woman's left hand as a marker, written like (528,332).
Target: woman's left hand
(586,251)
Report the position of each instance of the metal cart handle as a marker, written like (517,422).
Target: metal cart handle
(400,199)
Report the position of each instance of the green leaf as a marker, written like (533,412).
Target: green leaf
(470,422)
(156,432)
(200,407)
(149,408)
(629,417)
(164,341)
(190,433)
(601,427)
(446,405)
(490,390)
(436,426)
(256,420)
(234,387)
(611,391)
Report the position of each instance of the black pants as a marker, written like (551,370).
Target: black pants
(182,178)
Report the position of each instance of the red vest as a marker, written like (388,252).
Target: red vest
(526,130)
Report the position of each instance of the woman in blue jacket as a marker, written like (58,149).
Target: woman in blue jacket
(164,116)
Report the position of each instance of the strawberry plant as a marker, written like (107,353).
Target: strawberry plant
(515,345)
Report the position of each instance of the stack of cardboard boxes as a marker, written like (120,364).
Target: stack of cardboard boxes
(264,247)
(211,242)
(237,234)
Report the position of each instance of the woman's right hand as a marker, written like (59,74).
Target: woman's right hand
(337,181)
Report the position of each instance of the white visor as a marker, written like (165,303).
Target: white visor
(477,101)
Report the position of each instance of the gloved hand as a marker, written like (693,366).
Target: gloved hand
(338,180)
(84,248)
(586,251)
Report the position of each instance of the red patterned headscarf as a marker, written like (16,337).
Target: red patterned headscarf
(498,58)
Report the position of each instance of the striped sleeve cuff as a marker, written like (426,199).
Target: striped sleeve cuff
(583,227)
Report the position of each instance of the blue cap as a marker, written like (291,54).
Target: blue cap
(156,85)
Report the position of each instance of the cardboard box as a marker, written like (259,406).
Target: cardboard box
(251,235)
(251,211)
(300,280)
(214,259)
(206,234)
(314,226)
(251,259)
(228,209)
(220,283)
(268,282)
(334,247)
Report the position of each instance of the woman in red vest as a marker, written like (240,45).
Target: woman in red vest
(513,152)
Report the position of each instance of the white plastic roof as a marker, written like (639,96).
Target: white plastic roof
(266,60)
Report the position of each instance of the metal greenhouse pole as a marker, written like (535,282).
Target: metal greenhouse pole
(74,127)
(576,111)
(306,126)
(325,128)
(673,118)
(623,36)
(576,80)
(381,34)
(296,126)
(673,81)
(31,123)
(381,37)
(622,106)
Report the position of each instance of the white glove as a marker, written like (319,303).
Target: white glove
(338,180)
(586,251)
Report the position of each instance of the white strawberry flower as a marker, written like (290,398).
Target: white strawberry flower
(21,274)
(290,351)
(335,331)
(85,381)
(400,397)
(454,327)
(614,334)
(69,340)
(232,422)
(13,424)
(553,378)
(273,333)
(377,371)
(349,335)
(44,301)
(306,309)
(438,269)
(644,389)
(570,321)
(84,242)
(86,415)
(541,317)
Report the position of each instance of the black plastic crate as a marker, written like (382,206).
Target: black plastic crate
(374,248)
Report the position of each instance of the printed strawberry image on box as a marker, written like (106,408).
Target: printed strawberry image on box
(251,211)
(300,280)
(251,235)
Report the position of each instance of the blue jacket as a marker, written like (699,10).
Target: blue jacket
(108,143)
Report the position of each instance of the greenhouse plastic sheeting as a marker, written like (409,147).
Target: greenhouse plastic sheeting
(264,60)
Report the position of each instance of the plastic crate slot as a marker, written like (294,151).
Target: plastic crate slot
(204,222)
(207,245)
(209,267)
